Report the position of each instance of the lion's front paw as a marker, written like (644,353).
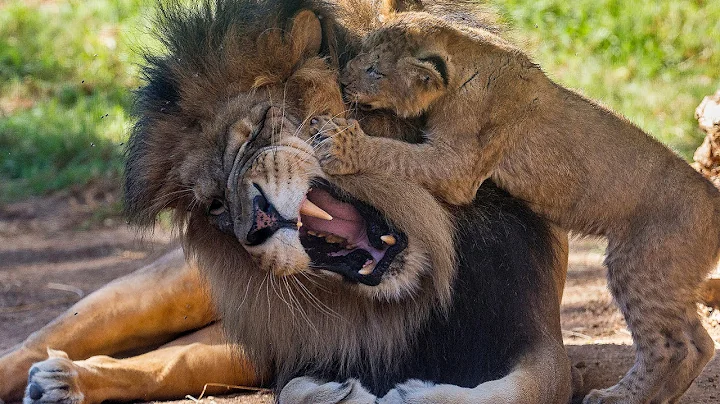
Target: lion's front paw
(54,380)
(410,392)
(309,390)
(337,144)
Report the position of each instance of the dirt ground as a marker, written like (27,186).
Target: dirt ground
(55,250)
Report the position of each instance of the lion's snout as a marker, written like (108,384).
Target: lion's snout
(267,185)
(265,220)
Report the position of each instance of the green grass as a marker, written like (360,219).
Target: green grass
(67,68)
(652,61)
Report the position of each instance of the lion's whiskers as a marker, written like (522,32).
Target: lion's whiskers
(315,301)
(299,306)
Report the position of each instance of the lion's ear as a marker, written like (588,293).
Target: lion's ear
(305,35)
(429,72)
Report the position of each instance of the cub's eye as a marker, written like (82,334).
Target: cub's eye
(373,73)
(217,207)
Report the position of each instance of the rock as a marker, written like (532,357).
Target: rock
(707,162)
(707,156)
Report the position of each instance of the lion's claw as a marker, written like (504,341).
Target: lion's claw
(53,381)
(309,390)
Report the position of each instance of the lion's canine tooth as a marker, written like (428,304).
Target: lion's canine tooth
(299,224)
(312,233)
(310,209)
(388,239)
(367,268)
(332,238)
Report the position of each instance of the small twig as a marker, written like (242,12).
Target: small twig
(227,386)
(67,288)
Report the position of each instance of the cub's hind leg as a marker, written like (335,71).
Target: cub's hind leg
(654,281)
(700,350)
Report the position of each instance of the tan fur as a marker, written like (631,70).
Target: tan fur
(278,81)
(143,316)
(128,315)
(496,115)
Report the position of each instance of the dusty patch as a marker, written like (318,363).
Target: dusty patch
(46,263)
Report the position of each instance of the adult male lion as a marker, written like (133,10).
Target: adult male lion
(397,296)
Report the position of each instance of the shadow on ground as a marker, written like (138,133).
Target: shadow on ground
(46,264)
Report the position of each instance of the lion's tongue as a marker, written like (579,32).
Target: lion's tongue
(346,223)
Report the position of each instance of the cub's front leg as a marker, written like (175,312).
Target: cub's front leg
(339,144)
(446,167)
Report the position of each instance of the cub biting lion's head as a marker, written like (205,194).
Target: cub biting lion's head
(220,142)
(318,275)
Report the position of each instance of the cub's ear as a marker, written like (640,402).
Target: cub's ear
(305,36)
(430,72)
(398,6)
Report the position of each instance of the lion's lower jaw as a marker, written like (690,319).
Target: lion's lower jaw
(305,324)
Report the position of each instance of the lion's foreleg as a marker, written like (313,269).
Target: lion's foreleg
(183,367)
(542,376)
(146,307)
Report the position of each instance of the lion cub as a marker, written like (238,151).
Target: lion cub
(492,113)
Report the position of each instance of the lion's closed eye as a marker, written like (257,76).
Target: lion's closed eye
(373,73)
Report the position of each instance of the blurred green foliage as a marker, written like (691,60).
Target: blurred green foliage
(650,60)
(67,68)
(66,73)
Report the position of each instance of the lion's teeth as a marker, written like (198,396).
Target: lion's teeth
(299,224)
(312,233)
(388,239)
(332,238)
(367,268)
(310,209)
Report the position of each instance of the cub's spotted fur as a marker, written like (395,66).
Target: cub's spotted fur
(490,112)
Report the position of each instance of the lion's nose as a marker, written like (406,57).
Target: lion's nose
(266,220)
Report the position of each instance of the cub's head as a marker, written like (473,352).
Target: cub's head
(221,142)
(415,58)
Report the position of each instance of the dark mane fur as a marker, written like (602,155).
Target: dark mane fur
(504,266)
(202,45)
(212,54)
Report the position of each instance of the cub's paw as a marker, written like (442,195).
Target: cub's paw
(309,390)
(337,144)
(54,380)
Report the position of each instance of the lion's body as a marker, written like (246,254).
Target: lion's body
(462,305)
(491,113)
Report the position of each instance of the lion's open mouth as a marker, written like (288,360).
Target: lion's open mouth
(357,243)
